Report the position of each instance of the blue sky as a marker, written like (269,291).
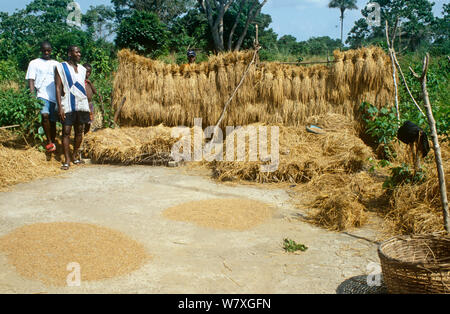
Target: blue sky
(300,18)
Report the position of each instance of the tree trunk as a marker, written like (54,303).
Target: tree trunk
(252,14)
(342,26)
(437,149)
(236,22)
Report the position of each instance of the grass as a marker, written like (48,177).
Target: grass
(291,246)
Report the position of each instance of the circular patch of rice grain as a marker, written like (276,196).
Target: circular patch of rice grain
(42,252)
(227,214)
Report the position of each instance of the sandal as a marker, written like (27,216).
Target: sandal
(50,148)
(65,167)
(78,162)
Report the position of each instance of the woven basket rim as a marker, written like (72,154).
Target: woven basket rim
(419,264)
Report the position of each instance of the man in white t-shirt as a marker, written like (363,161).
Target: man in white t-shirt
(73,104)
(40,76)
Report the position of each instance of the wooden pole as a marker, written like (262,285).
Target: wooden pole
(437,149)
(10,126)
(406,84)
(117,113)
(394,71)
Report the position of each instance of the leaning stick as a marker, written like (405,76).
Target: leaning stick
(394,72)
(116,115)
(213,138)
(406,84)
(10,126)
(437,149)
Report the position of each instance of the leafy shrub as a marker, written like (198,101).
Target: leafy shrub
(9,72)
(19,107)
(402,175)
(381,125)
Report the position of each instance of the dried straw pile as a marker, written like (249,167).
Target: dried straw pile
(17,166)
(272,93)
(341,201)
(416,208)
(130,145)
(303,155)
(226,214)
(43,251)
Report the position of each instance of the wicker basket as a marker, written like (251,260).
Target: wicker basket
(416,264)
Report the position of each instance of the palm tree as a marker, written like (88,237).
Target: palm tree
(343,5)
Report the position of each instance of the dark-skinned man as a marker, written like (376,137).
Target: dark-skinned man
(42,83)
(73,104)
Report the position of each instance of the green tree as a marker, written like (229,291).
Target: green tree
(100,21)
(414,17)
(441,31)
(144,33)
(23,31)
(166,10)
(247,11)
(190,31)
(343,5)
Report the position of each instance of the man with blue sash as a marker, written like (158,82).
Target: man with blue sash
(73,104)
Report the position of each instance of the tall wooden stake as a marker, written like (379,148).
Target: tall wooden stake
(437,149)
(394,71)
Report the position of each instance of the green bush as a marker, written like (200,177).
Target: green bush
(438,90)
(381,125)
(403,175)
(19,107)
(9,71)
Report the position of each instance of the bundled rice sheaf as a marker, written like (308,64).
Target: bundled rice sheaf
(271,93)
(130,145)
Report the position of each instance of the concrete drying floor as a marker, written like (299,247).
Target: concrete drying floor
(186,258)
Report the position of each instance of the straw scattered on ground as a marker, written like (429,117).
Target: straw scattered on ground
(417,208)
(342,201)
(227,214)
(43,252)
(23,165)
(304,155)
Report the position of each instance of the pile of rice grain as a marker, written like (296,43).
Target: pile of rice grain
(226,214)
(43,251)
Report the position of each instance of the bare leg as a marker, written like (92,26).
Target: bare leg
(47,128)
(78,139)
(66,142)
(87,128)
(53,131)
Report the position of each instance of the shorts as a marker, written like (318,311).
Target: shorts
(50,109)
(77,117)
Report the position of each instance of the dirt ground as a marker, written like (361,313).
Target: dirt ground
(186,258)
